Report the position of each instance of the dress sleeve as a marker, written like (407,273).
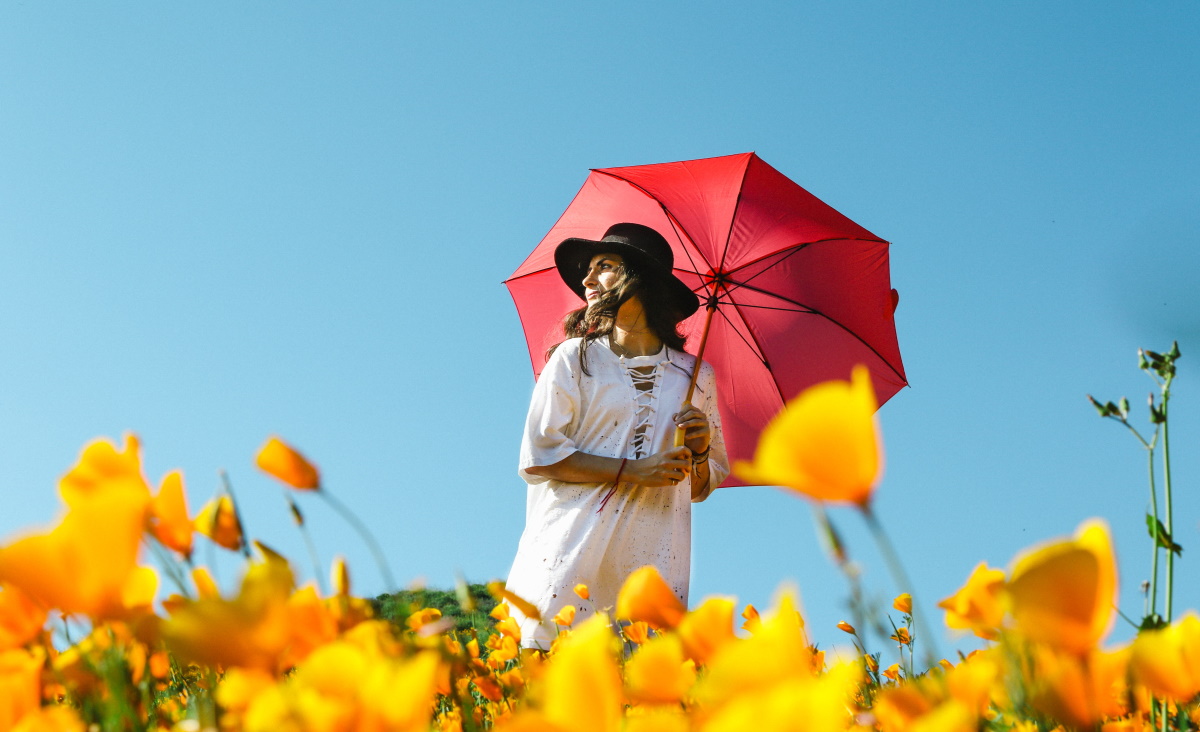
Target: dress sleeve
(553,413)
(718,459)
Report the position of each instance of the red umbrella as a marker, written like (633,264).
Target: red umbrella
(800,292)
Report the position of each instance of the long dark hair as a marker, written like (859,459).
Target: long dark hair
(600,317)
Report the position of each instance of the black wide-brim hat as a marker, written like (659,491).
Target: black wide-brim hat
(643,246)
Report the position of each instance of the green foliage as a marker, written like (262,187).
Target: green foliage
(398,606)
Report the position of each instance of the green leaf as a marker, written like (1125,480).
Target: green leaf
(1158,532)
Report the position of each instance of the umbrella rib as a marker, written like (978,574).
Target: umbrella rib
(675,226)
(806,309)
(736,205)
(794,250)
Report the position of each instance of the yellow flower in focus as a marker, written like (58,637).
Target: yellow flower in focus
(901,636)
(88,563)
(168,516)
(824,444)
(705,630)
(566,616)
(279,460)
(1167,660)
(21,619)
(892,672)
(20,684)
(646,596)
(658,673)
(978,606)
(218,520)
(903,603)
(583,592)
(1079,690)
(101,467)
(581,686)
(846,627)
(1063,593)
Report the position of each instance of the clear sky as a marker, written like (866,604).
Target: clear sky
(220,221)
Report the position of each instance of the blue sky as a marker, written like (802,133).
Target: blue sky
(222,221)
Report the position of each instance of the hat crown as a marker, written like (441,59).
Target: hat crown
(645,240)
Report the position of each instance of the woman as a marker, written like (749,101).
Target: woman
(608,492)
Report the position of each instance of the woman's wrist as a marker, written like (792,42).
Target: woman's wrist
(700,457)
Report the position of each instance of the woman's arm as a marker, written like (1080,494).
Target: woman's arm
(662,469)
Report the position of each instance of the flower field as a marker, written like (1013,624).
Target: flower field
(94,636)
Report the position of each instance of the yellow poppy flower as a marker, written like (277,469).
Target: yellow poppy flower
(903,603)
(824,444)
(581,687)
(658,673)
(1063,592)
(583,592)
(846,627)
(283,462)
(1167,660)
(566,616)
(88,563)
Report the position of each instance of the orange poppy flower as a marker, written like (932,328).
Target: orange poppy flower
(21,619)
(1063,593)
(102,466)
(658,673)
(824,444)
(903,603)
(581,689)
(279,460)
(707,628)
(168,516)
(646,596)
(846,627)
(218,520)
(978,606)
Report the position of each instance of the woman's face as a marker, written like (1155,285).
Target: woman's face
(602,275)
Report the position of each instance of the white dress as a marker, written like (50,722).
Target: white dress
(623,408)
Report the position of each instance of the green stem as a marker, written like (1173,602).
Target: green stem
(1154,543)
(1166,394)
(363,532)
(921,628)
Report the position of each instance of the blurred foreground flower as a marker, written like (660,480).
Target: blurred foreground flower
(279,460)
(646,596)
(1063,593)
(1167,660)
(824,444)
(88,564)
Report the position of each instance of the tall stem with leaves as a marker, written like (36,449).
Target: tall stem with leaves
(1161,369)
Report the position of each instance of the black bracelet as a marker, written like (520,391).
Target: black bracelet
(699,457)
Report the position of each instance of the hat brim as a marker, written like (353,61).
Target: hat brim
(573,256)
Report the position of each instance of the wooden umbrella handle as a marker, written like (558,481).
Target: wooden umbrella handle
(687,400)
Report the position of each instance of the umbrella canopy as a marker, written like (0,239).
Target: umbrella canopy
(802,293)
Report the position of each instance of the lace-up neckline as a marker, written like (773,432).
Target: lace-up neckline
(644,373)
